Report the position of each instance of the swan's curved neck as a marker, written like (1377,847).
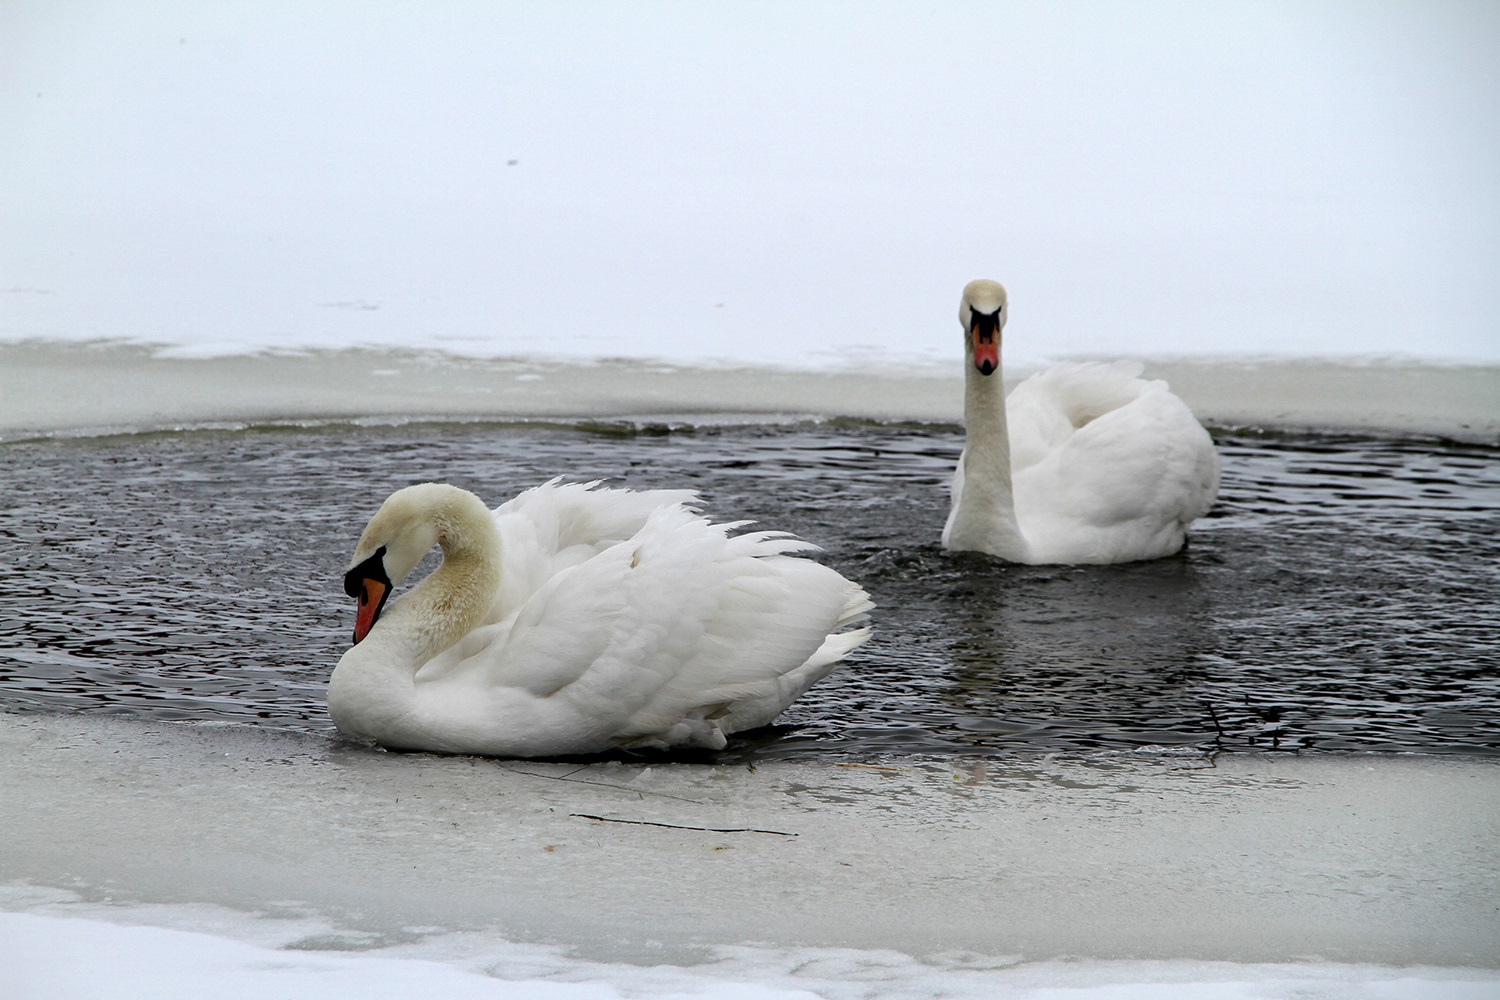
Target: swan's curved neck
(450,601)
(984,516)
(378,675)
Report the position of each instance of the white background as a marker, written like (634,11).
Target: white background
(792,183)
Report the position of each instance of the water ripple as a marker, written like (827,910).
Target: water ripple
(1341,596)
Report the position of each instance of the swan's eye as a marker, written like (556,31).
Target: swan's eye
(985,325)
(372,568)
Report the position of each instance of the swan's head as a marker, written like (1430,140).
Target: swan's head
(982,313)
(402,532)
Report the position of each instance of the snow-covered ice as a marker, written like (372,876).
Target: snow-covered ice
(52,388)
(1265,876)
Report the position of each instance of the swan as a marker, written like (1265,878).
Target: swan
(1084,463)
(575,619)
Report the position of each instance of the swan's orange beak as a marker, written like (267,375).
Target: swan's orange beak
(371,600)
(369,583)
(984,339)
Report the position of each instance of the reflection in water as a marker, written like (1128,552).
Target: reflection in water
(1078,650)
(1340,596)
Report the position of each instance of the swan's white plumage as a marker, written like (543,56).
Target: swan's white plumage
(618,619)
(1083,463)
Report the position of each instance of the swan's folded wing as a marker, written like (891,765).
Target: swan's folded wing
(1139,474)
(586,513)
(1047,409)
(558,526)
(675,636)
(751,647)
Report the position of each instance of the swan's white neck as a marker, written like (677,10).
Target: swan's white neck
(444,607)
(375,681)
(984,511)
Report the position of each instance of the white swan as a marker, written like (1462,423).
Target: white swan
(578,620)
(1084,463)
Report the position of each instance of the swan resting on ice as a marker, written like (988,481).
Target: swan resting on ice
(1084,463)
(576,619)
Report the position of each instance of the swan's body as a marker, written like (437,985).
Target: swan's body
(1084,463)
(578,620)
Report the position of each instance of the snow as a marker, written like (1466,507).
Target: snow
(322,866)
(56,958)
(60,958)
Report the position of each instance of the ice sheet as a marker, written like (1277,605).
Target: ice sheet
(57,387)
(1134,856)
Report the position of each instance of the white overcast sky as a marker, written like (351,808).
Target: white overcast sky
(768,181)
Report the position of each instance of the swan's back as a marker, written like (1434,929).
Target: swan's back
(552,527)
(1107,466)
(1047,409)
(625,619)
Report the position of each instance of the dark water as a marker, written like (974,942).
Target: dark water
(1343,594)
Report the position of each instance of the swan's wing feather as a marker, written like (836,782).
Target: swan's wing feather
(678,635)
(1047,409)
(1111,465)
(583,513)
(557,525)
(757,644)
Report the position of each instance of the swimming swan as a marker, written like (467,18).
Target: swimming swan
(1084,463)
(575,620)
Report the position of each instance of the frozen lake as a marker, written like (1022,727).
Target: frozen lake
(1115,875)
(1266,765)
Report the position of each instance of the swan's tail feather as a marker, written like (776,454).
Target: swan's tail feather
(794,683)
(858,607)
(836,647)
(760,708)
(779,543)
(840,644)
